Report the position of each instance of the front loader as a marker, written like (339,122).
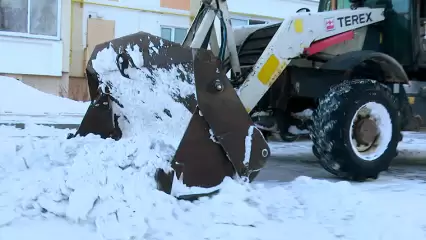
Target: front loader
(328,73)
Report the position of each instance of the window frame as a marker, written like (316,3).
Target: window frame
(239,19)
(37,36)
(173,29)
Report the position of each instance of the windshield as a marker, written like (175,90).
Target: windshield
(399,6)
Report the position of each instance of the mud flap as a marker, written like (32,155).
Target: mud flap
(221,139)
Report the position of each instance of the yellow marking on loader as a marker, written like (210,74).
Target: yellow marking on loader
(271,65)
(411,100)
(298,25)
(277,73)
(248,110)
(381,38)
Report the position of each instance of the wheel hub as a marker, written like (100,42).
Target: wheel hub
(366,131)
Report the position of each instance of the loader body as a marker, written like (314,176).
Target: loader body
(289,79)
(402,36)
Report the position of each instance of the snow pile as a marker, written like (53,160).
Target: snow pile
(20,98)
(34,130)
(149,98)
(104,186)
(87,180)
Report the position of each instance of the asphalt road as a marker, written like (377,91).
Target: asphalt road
(291,160)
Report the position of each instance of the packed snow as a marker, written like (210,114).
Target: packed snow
(33,130)
(104,188)
(90,189)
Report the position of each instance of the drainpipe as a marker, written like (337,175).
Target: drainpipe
(71,31)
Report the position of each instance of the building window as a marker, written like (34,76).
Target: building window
(174,34)
(255,22)
(244,22)
(32,18)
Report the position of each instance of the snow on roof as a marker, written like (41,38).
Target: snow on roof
(19,98)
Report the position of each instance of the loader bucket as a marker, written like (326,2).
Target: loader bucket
(156,53)
(237,148)
(220,139)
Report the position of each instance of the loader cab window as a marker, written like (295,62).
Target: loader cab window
(174,34)
(399,6)
(421,11)
(422,8)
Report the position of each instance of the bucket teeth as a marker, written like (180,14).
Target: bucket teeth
(100,120)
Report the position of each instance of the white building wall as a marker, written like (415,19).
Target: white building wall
(145,4)
(128,21)
(49,57)
(34,55)
(131,16)
(30,56)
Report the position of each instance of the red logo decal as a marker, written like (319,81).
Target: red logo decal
(329,24)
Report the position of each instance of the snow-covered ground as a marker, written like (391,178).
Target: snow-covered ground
(89,189)
(21,103)
(94,189)
(20,98)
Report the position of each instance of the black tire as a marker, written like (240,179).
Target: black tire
(332,124)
